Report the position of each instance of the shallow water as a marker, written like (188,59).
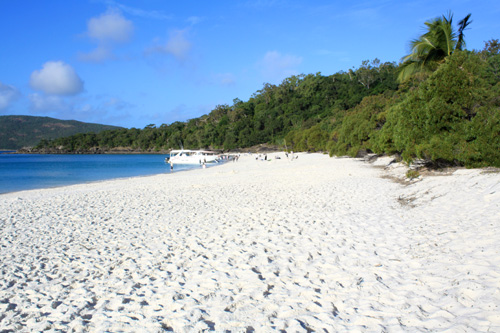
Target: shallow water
(20,172)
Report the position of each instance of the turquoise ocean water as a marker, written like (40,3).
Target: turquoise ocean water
(20,172)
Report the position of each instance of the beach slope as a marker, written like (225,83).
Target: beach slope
(310,244)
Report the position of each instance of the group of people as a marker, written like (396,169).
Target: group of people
(263,157)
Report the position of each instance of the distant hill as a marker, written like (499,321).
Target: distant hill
(26,131)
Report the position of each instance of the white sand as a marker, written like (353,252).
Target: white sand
(317,243)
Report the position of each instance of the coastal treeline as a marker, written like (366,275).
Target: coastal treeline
(309,103)
(440,104)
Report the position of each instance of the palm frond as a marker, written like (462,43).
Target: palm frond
(462,25)
(430,49)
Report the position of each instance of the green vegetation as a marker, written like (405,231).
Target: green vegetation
(26,131)
(430,49)
(445,110)
(309,105)
(452,117)
(412,174)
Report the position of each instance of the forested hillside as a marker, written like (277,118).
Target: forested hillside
(440,104)
(299,103)
(25,131)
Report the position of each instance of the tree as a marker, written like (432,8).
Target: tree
(491,54)
(430,49)
(361,123)
(451,118)
(368,72)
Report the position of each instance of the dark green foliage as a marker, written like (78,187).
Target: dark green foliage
(360,124)
(491,54)
(312,139)
(26,131)
(453,117)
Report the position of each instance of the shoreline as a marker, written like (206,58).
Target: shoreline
(314,243)
(51,171)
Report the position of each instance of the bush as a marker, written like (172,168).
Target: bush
(453,116)
(360,124)
(412,174)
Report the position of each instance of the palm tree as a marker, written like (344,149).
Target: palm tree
(430,49)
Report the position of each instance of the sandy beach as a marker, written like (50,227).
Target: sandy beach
(314,244)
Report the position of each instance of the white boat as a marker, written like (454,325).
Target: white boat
(185,156)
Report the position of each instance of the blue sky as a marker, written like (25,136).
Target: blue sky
(134,63)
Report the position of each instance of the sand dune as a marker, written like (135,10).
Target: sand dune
(317,243)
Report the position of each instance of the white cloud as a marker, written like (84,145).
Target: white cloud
(275,66)
(110,27)
(8,94)
(177,45)
(107,30)
(56,78)
(43,104)
(100,54)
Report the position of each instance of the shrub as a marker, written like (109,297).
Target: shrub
(453,116)
(412,174)
(360,125)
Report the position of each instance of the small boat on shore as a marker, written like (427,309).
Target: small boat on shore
(185,156)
